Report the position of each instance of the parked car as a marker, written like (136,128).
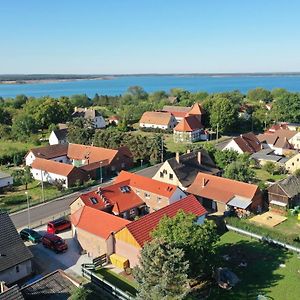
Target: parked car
(28,234)
(54,243)
(58,225)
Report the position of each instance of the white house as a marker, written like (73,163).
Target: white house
(91,114)
(158,119)
(295,141)
(58,136)
(5,180)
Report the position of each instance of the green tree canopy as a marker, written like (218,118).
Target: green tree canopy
(23,126)
(162,272)
(259,94)
(240,171)
(197,241)
(81,131)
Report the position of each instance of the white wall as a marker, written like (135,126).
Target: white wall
(177,195)
(148,125)
(295,141)
(6,181)
(29,159)
(11,275)
(232,145)
(53,140)
(48,177)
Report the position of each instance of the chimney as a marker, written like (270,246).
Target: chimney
(188,151)
(99,189)
(199,158)
(204,182)
(177,157)
(75,108)
(2,286)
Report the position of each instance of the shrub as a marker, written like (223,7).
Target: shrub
(15,200)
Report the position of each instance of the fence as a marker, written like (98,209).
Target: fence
(105,285)
(262,238)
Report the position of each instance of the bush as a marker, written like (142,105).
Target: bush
(292,239)
(15,200)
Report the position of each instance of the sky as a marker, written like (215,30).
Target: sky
(149,36)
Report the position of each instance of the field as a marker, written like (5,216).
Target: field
(7,147)
(264,176)
(272,272)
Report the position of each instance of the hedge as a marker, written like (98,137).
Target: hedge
(292,239)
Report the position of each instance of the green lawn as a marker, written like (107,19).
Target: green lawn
(264,176)
(290,226)
(14,146)
(263,275)
(118,280)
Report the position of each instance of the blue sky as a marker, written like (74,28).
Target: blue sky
(149,36)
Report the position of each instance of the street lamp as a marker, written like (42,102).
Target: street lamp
(28,211)
(141,162)
(101,177)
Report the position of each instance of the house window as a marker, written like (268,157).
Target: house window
(161,174)
(171,176)
(17,269)
(137,192)
(147,195)
(159,199)
(165,171)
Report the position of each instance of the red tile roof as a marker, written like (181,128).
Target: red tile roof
(52,166)
(120,201)
(141,228)
(248,142)
(147,184)
(97,222)
(196,110)
(220,189)
(188,124)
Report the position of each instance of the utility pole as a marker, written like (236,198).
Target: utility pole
(42,184)
(162,148)
(28,211)
(101,177)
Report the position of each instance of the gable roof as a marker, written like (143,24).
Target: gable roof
(4,175)
(112,196)
(188,124)
(196,110)
(188,166)
(86,113)
(12,293)
(51,151)
(176,111)
(53,286)
(221,189)
(147,184)
(280,138)
(61,134)
(248,142)
(54,167)
(156,117)
(97,222)
(141,228)
(290,185)
(12,248)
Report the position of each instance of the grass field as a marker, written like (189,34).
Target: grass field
(14,146)
(263,274)
(264,176)
(119,281)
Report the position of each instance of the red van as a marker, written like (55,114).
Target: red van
(54,243)
(58,226)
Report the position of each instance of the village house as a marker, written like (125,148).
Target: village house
(182,170)
(113,120)
(94,230)
(118,199)
(5,180)
(130,240)
(90,114)
(267,155)
(279,141)
(55,172)
(285,193)
(15,257)
(218,194)
(245,143)
(95,162)
(158,120)
(292,163)
(179,112)
(189,130)
(154,193)
(59,136)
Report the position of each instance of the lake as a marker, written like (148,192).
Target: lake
(118,85)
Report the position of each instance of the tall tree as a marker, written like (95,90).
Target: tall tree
(260,94)
(81,131)
(239,171)
(197,241)
(162,273)
(156,149)
(23,125)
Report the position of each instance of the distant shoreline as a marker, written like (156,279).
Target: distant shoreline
(52,78)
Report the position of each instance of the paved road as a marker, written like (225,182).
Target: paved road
(48,210)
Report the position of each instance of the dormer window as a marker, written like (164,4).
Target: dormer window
(94,200)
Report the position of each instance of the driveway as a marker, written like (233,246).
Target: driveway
(47,260)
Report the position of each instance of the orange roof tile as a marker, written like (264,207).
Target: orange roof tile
(52,166)
(188,124)
(141,228)
(196,110)
(97,222)
(118,200)
(147,184)
(220,189)
(156,117)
